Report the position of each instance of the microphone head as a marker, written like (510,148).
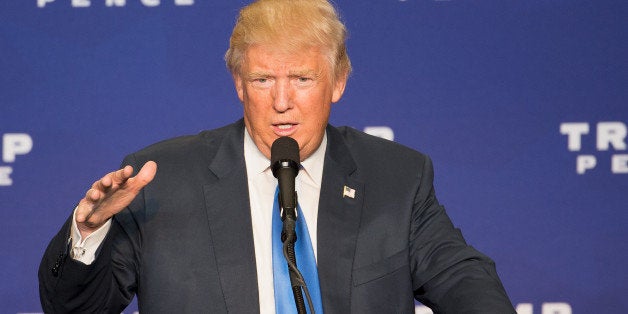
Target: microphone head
(285,150)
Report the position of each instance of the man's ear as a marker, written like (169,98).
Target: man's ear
(239,86)
(339,87)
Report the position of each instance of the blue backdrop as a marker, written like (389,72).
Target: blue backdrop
(521,104)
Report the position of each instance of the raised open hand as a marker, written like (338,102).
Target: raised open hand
(109,195)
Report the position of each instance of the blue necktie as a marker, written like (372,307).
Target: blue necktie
(306,263)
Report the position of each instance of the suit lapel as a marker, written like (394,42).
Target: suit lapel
(229,216)
(338,224)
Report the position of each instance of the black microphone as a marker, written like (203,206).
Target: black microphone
(284,162)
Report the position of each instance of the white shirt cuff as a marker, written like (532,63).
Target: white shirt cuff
(84,250)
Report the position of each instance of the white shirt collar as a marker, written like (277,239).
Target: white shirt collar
(313,165)
(256,162)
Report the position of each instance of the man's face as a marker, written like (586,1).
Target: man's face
(286,94)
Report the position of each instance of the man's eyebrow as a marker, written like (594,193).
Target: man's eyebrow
(257,74)
(305,72)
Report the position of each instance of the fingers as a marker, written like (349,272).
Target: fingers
(141,179)
(84,208)
(113,179)
(112,193)
(120,176)
(117,177)
(93,195)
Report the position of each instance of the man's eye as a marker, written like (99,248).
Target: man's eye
(261,82)
(304,81)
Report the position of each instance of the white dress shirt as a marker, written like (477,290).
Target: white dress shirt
(262,185)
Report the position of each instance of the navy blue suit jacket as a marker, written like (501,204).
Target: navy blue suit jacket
(185,244)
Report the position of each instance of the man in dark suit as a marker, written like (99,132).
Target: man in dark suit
(194,236)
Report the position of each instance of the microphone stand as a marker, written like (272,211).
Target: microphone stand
(289,237)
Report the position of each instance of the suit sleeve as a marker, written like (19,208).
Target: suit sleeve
(449,276)
(105,286)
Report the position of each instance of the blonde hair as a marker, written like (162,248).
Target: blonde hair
(290,25)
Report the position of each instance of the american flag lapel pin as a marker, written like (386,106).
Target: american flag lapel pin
(348,192)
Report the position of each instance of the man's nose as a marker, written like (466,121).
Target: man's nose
(282,96)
